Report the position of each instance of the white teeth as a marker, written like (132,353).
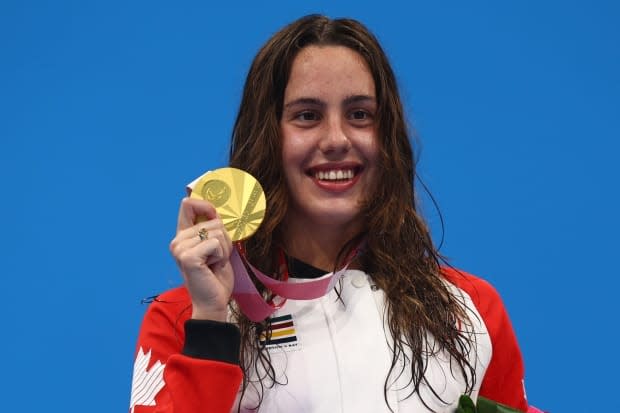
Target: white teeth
(334,175)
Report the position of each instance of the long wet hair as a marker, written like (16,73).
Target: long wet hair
(399,255)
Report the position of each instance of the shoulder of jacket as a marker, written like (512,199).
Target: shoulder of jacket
(481,292)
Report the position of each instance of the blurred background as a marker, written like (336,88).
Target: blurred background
(107,110)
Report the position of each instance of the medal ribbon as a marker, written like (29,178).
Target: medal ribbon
(255,307)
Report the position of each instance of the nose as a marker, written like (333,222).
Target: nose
(334,139)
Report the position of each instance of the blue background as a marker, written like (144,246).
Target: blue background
(108,108)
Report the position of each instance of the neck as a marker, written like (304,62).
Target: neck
(317,245)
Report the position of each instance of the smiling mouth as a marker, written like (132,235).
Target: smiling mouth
(335,175)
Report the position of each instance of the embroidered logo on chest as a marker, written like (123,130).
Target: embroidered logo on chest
(281,335)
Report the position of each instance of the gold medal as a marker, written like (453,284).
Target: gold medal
(238,198)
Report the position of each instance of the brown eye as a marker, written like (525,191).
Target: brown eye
(361,117)
(359,114)
(308,116)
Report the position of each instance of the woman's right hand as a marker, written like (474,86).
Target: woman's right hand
(204,264)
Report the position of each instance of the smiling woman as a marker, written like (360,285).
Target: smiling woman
(329,150)
(321,127)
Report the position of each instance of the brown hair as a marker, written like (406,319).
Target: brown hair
(399,255)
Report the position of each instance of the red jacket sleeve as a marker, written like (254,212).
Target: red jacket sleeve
(165,380)
(503,381)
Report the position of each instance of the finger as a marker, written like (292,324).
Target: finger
(218,230)
(191,237)
(178,245)
(191,209)
(203,254)
(225,246)
(194,230)
(217,255)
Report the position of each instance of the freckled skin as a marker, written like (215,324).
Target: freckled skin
(330,133)
(328,123)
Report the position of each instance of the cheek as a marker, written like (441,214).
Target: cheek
(295,150)
(372,153)
(370,148)
(291,158)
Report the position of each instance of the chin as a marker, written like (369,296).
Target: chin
(336,216)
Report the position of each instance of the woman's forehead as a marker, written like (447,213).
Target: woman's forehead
(329,71)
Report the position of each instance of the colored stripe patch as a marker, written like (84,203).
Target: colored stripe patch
(282,332)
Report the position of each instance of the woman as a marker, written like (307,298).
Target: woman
(321,127)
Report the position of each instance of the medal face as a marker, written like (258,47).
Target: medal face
(238,198)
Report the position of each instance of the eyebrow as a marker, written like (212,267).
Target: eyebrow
(318,102)
(305,101)
(359,98)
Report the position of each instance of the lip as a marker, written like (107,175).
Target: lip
(336,186)
(356,166)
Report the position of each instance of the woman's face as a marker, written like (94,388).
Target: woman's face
(329,142)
